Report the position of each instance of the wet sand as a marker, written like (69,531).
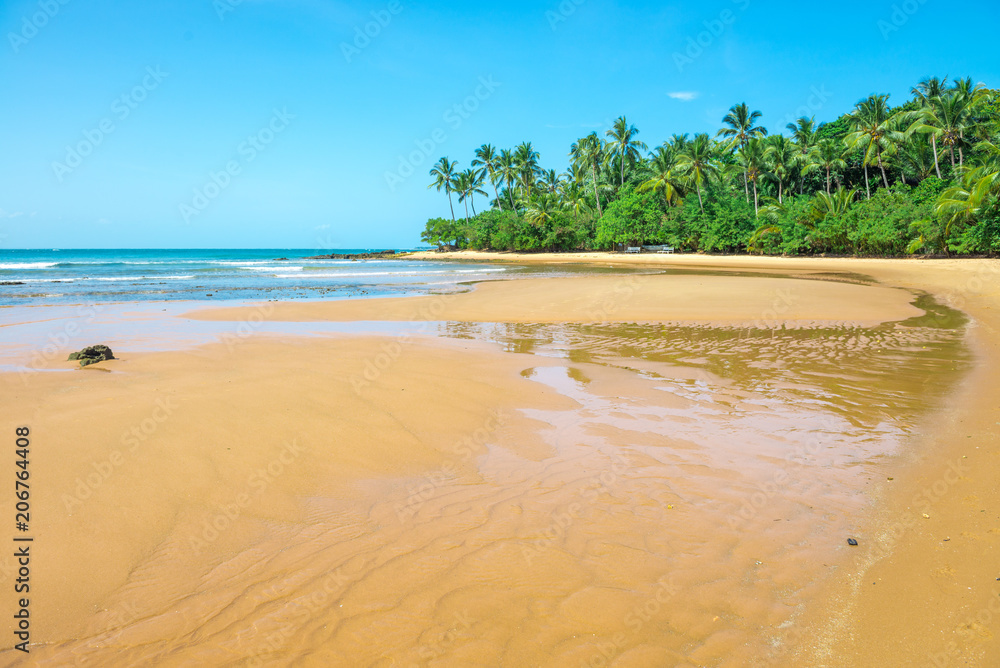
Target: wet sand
(567,472)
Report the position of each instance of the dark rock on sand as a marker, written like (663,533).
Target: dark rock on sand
(851,541)
(92,355)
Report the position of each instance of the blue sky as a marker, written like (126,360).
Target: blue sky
(274,123)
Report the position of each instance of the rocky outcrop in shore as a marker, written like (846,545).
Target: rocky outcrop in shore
(377,255)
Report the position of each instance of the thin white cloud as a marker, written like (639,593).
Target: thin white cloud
(585,126)
(684,95)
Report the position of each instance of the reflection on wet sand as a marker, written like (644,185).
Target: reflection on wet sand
(680,513)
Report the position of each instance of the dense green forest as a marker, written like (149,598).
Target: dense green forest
(923,177)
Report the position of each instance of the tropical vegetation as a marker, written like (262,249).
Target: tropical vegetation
(922,177)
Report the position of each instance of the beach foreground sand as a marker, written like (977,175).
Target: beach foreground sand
(529,491)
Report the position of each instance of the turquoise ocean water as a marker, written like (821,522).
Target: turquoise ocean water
(53,277)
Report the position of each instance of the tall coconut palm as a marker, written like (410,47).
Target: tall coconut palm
(526,160)
(697,162)
(678,141)
(462,184)
(752,158)
(805,135)
(588,152)
(550,181)
(830,156)
(507,168)
(663,164)
(742,128)
(782,159)
(487,159)
(444,177)
(875,130)
(929,88)
(475,181)
(927,93)
(624,144)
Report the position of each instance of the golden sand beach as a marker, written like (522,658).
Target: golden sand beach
(628,469)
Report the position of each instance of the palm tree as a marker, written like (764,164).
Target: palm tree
(507,168)
(917,157)
(663,162)
(742,128)
(929,88)
(624,145)
(541,209)
(964,203)
(444,177)
(805,135)
(526,160)
(927,92)
(782,158)
(753,159)
(588,152)
(462,185)
(475,181)
(550,180)
(830,156)
(836,204)
(876,131)
(574,197)
(506,195)
(486,157)
(697,161)
(678,141)
(574,174)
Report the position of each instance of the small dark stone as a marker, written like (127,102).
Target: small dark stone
(851,541)
(92,355)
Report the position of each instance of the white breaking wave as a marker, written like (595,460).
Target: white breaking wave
(139,278)
(363,274)
(27,265)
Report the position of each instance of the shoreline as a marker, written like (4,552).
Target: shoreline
(914,557)
(936,601)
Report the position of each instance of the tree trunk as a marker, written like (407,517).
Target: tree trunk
(756,208)
(780,191)
(934,146)
(885,179)
(827,180)
(466,213)
(451,206)
(700,204)
(473,206)
(868,189)
(746,187)
(597,196)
